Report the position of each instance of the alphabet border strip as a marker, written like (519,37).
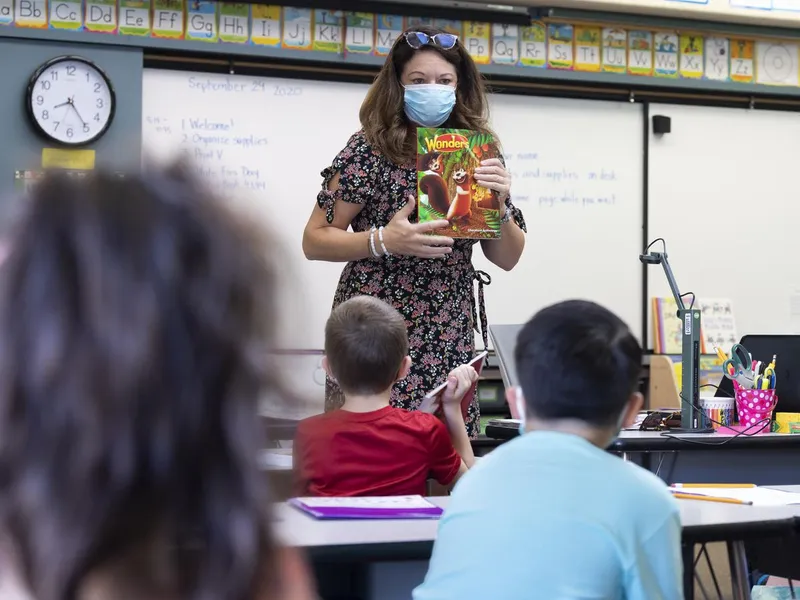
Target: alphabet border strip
(544,50)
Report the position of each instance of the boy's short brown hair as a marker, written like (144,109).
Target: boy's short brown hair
(365,343)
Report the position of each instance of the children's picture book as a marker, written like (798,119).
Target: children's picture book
(373,507)
(432,401)
(446,187)
(717,325)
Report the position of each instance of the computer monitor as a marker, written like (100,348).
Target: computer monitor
(787,367)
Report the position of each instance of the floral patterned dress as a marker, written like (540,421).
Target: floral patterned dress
(435,296)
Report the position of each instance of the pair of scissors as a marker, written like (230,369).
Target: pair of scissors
(739,367)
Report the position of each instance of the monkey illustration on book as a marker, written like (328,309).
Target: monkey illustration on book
(431,183)
(461,206)
(431,163)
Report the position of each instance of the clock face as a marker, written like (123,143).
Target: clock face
(70,101)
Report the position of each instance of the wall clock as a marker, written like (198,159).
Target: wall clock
(70,100)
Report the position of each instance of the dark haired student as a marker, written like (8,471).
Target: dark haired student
(578,522)
(134,314)
(428,80)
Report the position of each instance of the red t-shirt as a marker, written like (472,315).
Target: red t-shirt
(386,452)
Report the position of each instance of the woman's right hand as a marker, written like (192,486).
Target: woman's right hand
(401,236)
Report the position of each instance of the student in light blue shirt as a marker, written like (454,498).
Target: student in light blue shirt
(557,517)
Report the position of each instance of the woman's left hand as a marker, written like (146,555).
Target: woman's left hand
(493,175)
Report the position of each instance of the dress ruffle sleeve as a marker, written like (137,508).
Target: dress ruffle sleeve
(356,165)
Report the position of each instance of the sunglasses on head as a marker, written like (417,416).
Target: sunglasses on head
(418,39)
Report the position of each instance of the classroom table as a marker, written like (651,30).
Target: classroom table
(386,559)
(763,459)
(777,556)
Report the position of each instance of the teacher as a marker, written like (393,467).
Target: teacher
(428,80)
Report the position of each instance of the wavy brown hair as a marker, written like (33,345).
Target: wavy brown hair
(134,318)
(382,116)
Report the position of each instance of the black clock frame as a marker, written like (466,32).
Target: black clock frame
(32,85)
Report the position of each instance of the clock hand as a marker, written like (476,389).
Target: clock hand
(75,108)
(62,104)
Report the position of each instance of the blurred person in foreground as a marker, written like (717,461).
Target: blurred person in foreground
(135,318)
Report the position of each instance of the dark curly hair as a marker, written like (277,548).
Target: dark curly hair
(135,315)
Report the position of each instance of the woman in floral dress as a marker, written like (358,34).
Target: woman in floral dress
(428,80)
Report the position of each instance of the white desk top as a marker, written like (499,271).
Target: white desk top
(299,529)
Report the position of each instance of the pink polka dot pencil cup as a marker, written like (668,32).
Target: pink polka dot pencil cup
(755,408)
(754,389)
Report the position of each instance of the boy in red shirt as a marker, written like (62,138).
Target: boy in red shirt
(367,447)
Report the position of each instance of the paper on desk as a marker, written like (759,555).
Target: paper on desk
(384,507)
(759,496)
(368,502)
(271,459)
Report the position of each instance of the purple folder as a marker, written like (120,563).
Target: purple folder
(417,508)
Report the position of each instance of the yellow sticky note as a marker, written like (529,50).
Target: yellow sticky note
(78,160)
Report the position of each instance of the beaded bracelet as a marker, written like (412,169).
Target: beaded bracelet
(383,246)
(372,248)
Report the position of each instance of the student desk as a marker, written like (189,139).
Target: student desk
(386,559)
(777,556)
(764,459)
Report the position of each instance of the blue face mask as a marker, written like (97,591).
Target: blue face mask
(520,401)
(429,104)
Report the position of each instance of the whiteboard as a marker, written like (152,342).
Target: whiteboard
(576,168)
(723,193)
(261,141)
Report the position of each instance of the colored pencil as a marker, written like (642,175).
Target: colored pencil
(713,485)
(710,499)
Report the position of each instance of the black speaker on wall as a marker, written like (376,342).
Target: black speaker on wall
(661,124)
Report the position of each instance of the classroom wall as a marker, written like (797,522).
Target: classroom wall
(21,147)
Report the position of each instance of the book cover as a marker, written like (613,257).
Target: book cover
(446,188)
(717,325)
(670,329)
(432,401)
